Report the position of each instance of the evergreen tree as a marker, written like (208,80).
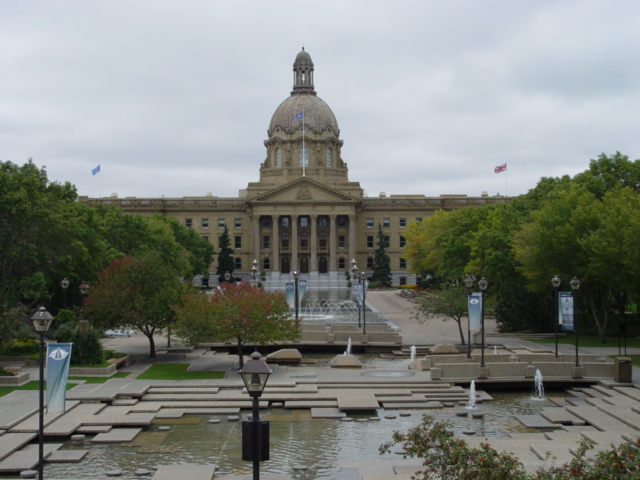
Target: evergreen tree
(226,263)
(381,264)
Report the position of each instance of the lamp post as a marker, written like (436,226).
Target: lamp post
(254,271)
(363,277)
(354,276)
(469,283)
(295,289)
(41,321)
(575,285)
(555,281)
(65,284)
(255,374)
(483,284)
(84,323)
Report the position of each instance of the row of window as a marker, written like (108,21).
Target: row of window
(204,223)
(322,241)
(386,222)
(303,157)
(342,263)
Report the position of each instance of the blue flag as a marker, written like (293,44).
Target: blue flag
(302,287)
(95,170)
(475,311)
(290,294)
(299,115)
(58,358)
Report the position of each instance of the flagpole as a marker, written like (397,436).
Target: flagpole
(506,185)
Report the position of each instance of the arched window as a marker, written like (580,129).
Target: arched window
(370,263)
(341,263)
(329,157)
(277,155)
(266,264)
(238,263)
(303,157)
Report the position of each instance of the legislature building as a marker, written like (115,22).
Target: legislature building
(303,213)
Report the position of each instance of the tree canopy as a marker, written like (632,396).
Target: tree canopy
(381,275)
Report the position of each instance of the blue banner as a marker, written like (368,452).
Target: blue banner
(356,290)
(302,287)
(290,294)
(58,358)
(565,310)
(474,301)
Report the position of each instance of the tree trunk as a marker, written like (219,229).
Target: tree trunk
(459,322)
(240,354)
(152,345)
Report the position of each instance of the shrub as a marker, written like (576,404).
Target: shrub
(20,348)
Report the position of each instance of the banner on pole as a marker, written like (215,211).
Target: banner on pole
(290,294)
(565,310)
(58,358)
(356,291)
(302,287)
(475,311)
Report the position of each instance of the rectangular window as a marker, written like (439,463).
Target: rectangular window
(304,242)
(418,219)
(266,242)
(266,222)
(386,223)
(322,222)
(403,241)
(403,264)
(387,241)
(237,240)
(188,222)
(369,241)
(342,221)
(238,223)
(403,222)
(369,222)
(285,241)
(304,221)
(221,223)
(342,241)
(322,240)
(204,223)
(285,222)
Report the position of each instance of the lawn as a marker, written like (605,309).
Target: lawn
(176,371)
(589,341)
(35,385)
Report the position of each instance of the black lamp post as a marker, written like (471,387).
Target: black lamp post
(483,284)
(254,271)
(469,283)
(41,321)
(555,281)
(354,276)
(84,324)
(255,374)
(363,277)
(65,284)
(575,285)
(295,289)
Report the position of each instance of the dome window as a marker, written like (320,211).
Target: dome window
(303,157)
(277,157)
(329,157)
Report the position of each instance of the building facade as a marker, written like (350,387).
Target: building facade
(303,213)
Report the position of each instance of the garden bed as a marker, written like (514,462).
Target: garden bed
(14,380)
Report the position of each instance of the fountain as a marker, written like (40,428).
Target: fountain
(471,404)
(413,352)
(495,350)
(348,351)
(538,392)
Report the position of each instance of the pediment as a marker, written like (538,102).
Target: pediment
(303,190)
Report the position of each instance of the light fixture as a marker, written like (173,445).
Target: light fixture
(255,374)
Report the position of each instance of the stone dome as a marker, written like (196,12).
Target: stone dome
(318,117)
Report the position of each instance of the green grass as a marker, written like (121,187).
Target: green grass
(176,371)
(101,379)
(588,341)
(34,385)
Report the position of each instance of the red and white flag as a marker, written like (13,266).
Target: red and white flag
(500,168)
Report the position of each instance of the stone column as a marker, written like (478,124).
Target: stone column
(294,242)
(313,265)
(352,239)
(332,244)
(275,244)
(255,243)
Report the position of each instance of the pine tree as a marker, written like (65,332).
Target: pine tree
(381,264)
(226,263)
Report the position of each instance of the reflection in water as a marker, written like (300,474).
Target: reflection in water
(296,439)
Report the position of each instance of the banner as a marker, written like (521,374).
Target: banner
(290,294)
(302,287)
(356,291)
(58,358)
(474,302)
(565,310)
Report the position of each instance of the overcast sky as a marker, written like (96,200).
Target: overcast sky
(174,98)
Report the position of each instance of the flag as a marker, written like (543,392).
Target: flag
(500,168)
(95,170)
(474,302)
(58,356)
(299,116)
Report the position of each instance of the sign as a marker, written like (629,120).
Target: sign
(58,359)
(565,310)
(475,311)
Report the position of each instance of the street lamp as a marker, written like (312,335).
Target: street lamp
(255,374)
(41,322)
(575,285)
(295,289)
(354,270)
(469,283)
(555,281)
(84,324)
(65,284)
(363,277)
(254,271)
(483,284)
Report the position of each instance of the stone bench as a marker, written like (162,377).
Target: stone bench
(455,370)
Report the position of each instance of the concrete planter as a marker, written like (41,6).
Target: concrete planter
(14,380)
(92,372)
